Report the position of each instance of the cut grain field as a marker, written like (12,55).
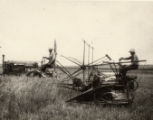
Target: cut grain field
(23,98)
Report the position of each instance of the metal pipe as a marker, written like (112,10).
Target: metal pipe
(92,54)
(3,63)
(84,61)
(88,57)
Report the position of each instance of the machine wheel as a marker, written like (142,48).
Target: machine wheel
(34,74)
(130,94)
(133,85)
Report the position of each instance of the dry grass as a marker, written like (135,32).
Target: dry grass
(23,98)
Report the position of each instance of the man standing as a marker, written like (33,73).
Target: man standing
(51,61)
(134,62)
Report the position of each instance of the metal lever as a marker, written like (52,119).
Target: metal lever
(108,57)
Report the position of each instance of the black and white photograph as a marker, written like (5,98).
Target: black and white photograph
(76,60)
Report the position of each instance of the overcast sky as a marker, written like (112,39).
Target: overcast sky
(29,27)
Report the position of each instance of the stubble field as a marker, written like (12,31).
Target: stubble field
(23,98)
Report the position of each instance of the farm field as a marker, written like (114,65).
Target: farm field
(76,60)
(23,98)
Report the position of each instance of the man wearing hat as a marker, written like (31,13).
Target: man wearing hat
(51,61)
(134,62)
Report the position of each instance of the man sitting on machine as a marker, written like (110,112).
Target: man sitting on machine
(134,63)
(51,61)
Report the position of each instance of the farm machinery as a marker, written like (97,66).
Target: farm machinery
(31,69)
(98,80)
(17,67)
(95,84)
(49,72)
(107,89)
